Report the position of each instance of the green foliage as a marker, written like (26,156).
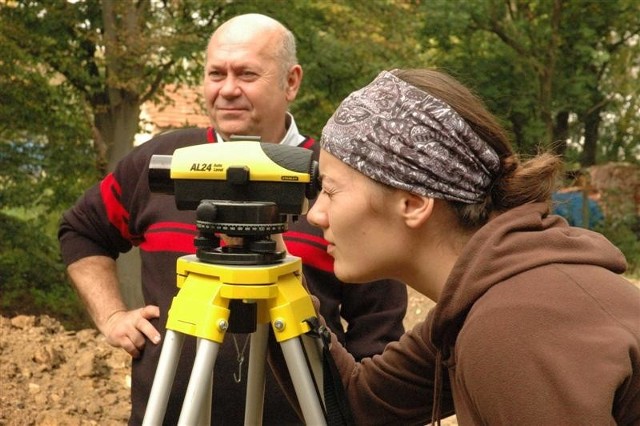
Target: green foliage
(533,61)
(624,233)
(111,56)
(622,225)
(341,46)
(46,154)
(344,45)
(36,172)
(32,277)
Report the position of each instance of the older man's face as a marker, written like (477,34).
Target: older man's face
(245,90)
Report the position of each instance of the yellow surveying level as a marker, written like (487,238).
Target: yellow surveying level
(241,189)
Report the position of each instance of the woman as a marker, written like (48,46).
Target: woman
(533,322)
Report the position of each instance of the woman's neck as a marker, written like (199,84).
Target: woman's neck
(433,255)
(430,271)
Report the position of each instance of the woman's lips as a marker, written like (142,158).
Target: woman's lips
(330,248)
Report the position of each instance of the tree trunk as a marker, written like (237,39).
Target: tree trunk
(561,133)
(518,122)
(117,128)
(591,125)
(545,95)
(547,73)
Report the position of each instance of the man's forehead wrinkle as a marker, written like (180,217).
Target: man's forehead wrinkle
(234,54)
(239,61)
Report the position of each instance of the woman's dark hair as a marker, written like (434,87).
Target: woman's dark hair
(517,182)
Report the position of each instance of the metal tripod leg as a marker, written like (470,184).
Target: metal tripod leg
(161,389)
(254,405)
(303,382)
(199,383)
(313,351)
(205,410)
(298,360)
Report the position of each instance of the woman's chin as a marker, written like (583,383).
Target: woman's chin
(349,276)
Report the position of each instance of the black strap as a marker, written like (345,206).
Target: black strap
(338,411)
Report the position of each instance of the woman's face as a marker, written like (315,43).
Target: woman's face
(352,212)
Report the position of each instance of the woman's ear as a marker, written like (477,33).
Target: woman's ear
(416,209)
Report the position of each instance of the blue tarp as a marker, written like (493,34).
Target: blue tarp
(569,206)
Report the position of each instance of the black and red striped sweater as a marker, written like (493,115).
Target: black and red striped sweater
(120,212)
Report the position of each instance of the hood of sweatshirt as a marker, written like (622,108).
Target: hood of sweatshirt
(514,242)
(521,239)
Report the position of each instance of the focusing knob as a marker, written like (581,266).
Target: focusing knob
(207,211)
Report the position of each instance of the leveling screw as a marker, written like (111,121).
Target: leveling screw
(223,325)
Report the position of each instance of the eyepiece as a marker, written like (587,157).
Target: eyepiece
(160,174)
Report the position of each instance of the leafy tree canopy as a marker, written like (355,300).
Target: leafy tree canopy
(540,63)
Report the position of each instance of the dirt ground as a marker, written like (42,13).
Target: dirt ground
(53,377)
(50,376)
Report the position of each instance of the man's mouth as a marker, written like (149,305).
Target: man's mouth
(230,108)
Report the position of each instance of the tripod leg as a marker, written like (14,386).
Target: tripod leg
(200,379)
(205,410)
(165,373)
(313,350)
(302,382)
(254,406)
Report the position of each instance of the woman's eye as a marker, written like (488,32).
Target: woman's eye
(327,191)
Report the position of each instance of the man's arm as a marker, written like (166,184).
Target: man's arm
(96,281)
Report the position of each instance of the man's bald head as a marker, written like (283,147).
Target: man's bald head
(253,26)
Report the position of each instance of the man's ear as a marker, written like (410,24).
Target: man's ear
(294,79)
(416,209)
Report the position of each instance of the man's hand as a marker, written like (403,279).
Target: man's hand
(130,329)
(96,281)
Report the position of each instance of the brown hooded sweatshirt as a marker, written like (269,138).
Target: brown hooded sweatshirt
(534,326)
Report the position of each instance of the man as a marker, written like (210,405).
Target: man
(251,77)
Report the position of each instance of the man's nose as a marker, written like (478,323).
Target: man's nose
(230,87)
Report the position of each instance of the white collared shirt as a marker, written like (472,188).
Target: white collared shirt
(291,138)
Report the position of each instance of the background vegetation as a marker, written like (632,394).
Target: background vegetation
(561,75)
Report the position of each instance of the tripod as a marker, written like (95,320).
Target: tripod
(208,292)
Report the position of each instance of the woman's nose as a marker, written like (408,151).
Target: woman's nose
(316,217)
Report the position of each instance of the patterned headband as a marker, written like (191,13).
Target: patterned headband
(401,136)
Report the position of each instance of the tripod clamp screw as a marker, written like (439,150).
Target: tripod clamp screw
(279,324)
(223,325)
